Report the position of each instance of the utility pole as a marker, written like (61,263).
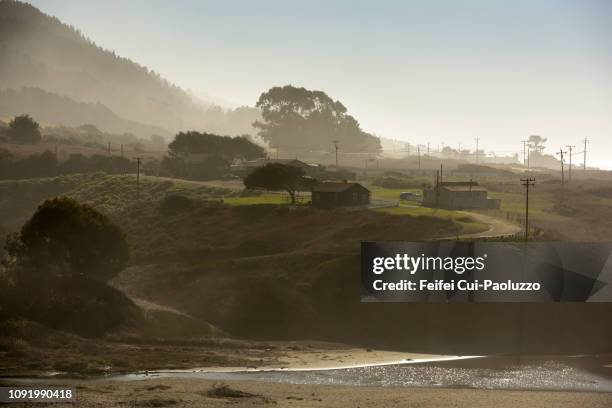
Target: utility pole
(428,148)
(570,147)
(561,153)
(585,150)
(419,154)
(437,188)
(528,156)
(336,143)
(477,140)
(138,160)
(527,182)
(524,150)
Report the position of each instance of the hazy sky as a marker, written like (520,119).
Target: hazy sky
(438,71)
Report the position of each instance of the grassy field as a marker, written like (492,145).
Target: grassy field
(267,198)
(114,195)
(468,225)
(390,193)
(541,204)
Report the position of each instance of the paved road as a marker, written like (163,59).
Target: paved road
(498,227)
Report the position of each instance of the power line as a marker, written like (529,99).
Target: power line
(584,152)
(527,182)
(336,143)
(138,160)
(561,153)
(570,147)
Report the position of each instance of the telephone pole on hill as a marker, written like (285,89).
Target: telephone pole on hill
(561,153)
(138,160)
(585,150)
(419,154)
(336,143)
(569,148)
(527,182)
(524,150)
(477,140)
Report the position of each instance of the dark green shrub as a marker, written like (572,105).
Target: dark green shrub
(175,204)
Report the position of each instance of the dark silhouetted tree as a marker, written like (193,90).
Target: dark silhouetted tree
(67,239)
(276,177)
(205,156)
(194,143)
(300,117)
(24,129)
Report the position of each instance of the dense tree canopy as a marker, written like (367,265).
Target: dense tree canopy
(186,143)
(303,118)
(204,156)
(67,239)
(24,129)
(276,177)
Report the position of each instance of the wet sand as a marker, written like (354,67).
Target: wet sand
(201,393)
(328,356)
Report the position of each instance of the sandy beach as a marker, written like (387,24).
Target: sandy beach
(205,393)
(165,390)
(297,356)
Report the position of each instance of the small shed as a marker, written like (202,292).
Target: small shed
(335,194)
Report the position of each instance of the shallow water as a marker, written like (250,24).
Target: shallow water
(582,373)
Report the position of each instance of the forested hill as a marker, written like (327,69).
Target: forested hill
(39,51)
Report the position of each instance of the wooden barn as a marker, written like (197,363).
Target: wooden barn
(459,195)
(335,194)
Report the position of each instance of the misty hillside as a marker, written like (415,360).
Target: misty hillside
(51,108)
(39,51)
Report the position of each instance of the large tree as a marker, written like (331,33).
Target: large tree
(67,239)
(226,147)
(298,117)
(536,143)
(205,156)
(276,177)
(24,129)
